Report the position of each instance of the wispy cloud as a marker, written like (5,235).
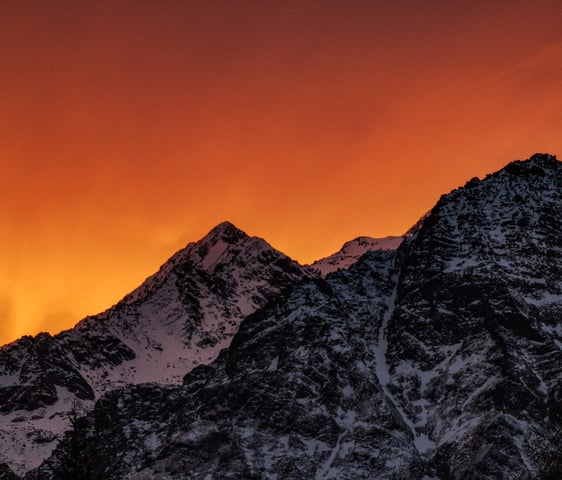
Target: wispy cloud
(547,58)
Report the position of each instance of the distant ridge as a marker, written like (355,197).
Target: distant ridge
(353,250)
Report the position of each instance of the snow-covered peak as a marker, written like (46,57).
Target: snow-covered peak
(511,210)
(179,318)
(223,245)
(205,253)
(210,250)
(353,251)
(191,307)
(226,230)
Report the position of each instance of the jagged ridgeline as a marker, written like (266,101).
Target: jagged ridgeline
(179,318)
(439,359)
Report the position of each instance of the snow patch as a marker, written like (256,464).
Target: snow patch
(352,251)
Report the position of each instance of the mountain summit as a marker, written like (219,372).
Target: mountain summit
(438,359)
(177,319)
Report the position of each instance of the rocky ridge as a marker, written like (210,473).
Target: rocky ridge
(439,360)
(353,250)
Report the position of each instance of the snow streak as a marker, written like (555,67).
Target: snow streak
(421,441)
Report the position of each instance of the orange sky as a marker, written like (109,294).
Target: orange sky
(129,128)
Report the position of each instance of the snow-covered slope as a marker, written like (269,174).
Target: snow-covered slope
(352,251)
(439,360)
(177,319)
(188,311)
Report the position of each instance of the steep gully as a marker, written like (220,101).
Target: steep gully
(421,441)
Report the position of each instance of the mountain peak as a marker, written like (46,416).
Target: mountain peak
(537,164)
(206,252)
(543,160)
(227,231)
(179,318)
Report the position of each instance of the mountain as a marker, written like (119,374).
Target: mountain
(441,359)
(352,251)
(177,319)
(275,404)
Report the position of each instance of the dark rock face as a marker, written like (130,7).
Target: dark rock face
(474,341)
(45,365)
(6,473)
(442,360)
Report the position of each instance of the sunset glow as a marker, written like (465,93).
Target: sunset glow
(128,130)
